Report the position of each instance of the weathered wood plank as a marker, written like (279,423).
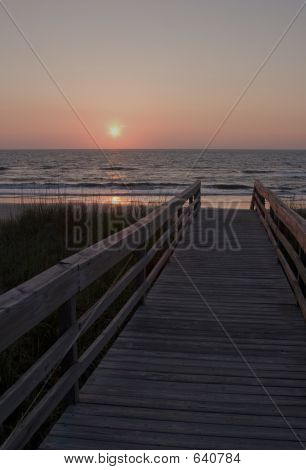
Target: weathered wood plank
(174,378)
(24,307)
(93,423)
(296,226)
(143,439)
(192,405)
(289,217)
(183,416)
(27,305)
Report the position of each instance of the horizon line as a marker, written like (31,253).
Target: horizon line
(152,148)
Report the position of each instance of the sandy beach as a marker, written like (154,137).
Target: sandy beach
(13,207)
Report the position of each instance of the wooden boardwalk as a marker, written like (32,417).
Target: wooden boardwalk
(214,359)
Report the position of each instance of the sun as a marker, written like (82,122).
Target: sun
(116,200)
(115,131)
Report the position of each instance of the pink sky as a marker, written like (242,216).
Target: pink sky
(166,72)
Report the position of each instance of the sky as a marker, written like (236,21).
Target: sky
(160,74)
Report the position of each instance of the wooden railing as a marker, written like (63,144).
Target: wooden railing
(287,230)
(23,308)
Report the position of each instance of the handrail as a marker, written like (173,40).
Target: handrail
(25,306)
(287,231)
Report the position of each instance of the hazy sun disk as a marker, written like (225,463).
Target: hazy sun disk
(115,131)
(116,200)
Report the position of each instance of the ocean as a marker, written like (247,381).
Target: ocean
(149,172)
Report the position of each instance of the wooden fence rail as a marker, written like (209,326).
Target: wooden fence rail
(287,230)
(24,307)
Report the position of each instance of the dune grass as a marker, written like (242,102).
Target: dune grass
(29,244)
(298,205)
(43,234)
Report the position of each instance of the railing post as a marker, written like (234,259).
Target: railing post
(263,200)
(300,279)
(68,319)
(179,223)
(252,206)
(140,279)
(279,228)
(197,199)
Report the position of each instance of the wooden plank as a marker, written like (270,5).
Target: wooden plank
(130,372)
(295,223)
(159,393)
(27,305)
(32,422)
(173,377)
(201,362)
(162,404)
(73,443)
(24,307)
(298,229)
(183,416)
(132,384)
(289,248)
(294,283)
(16,394)
(215,356)
(95,312)
(171,440)
(37,416)
(206,372)
(94,423)
(68,320)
